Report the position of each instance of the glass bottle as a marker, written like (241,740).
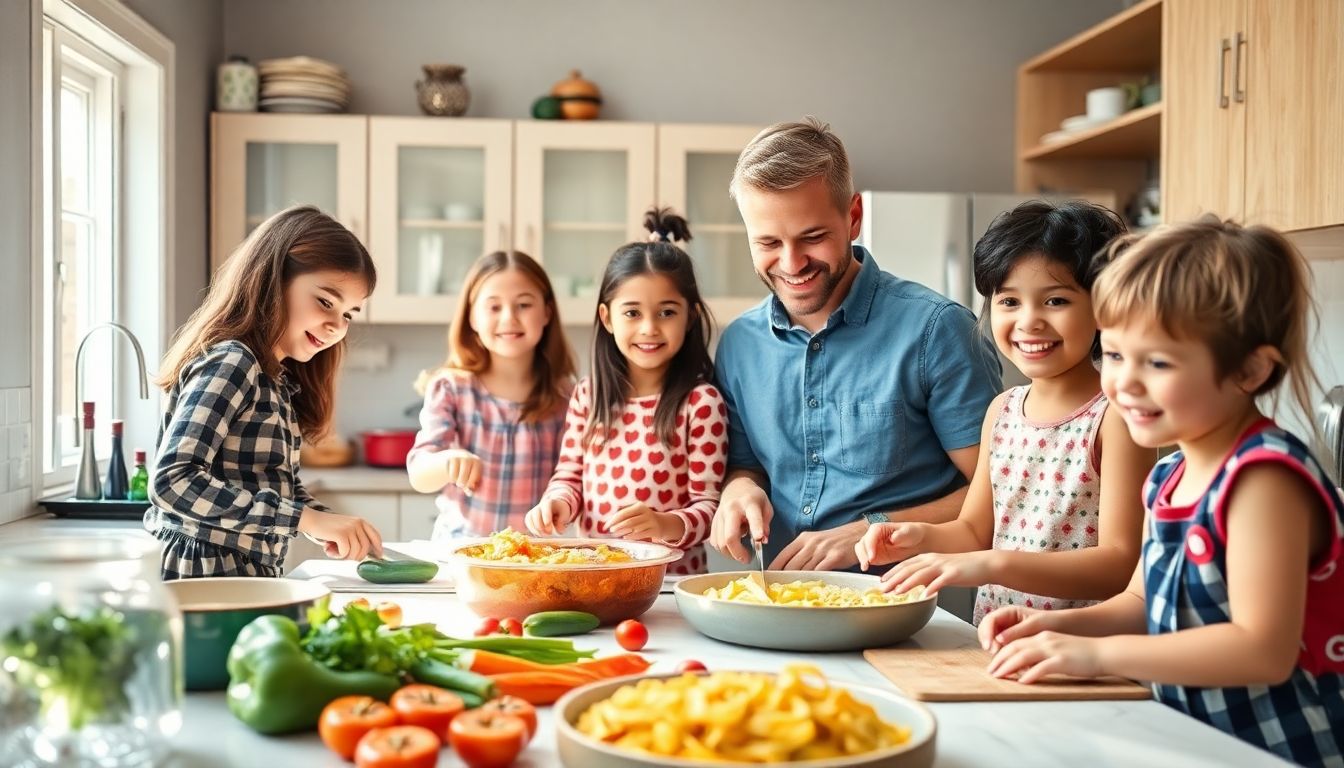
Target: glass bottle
(115,485)
(140,479)
(87,485)
(90,654)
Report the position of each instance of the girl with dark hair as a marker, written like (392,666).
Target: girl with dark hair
(646,435)
(1038,527)
(490,428)
(248,376)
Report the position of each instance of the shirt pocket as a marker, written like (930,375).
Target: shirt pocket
(872,437)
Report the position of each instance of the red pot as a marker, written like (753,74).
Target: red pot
(387,447)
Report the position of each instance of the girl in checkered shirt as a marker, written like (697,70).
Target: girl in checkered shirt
(490,427)
(248,377)
(1240,585)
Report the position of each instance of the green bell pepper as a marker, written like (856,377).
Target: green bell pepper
(274,687)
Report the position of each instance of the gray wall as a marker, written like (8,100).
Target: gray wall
(921,91)
(16,203)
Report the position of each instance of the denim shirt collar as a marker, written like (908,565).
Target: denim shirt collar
(856,306)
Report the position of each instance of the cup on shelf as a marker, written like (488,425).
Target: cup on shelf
(1105,103)
(461,212)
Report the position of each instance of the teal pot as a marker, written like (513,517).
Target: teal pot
(214,610)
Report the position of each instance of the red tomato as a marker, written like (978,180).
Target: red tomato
(631,635)
(428,706)
(487,627)
(511,626)
(512,705)
(344,722)
(689,665)
(401,746)
(487,740)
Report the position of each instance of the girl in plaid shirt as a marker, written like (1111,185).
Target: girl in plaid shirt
(1240,584)
(646,438)
(490,427)
(248,377)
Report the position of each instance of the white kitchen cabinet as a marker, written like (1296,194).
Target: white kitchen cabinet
(417,515)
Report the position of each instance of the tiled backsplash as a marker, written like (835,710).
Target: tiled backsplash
(16,471)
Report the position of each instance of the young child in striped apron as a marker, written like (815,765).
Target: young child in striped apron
(1240,586)
(248,376)
(493,414)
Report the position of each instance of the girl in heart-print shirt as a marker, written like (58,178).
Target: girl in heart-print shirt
(645,443)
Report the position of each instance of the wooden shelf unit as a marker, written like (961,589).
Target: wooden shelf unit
(1119,156)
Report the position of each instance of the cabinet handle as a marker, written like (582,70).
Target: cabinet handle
(1222,73)
(503,237)
(1238,94)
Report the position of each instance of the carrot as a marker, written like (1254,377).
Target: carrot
(538,687)
(613,666)
(490,663)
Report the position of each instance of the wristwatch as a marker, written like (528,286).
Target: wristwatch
(874,518)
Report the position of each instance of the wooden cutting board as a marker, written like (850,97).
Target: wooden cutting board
(959,675)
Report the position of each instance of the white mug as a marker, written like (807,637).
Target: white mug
(1105,103)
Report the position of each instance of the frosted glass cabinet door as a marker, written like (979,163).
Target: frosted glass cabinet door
(439,198)
(695,167)
(263,163)
(580,192)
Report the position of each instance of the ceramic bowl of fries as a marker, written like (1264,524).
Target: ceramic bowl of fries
(513,575)
(801,610)
(793,718)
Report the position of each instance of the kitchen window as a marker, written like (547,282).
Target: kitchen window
(102,230)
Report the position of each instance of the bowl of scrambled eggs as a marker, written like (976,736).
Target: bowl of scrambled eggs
(802,610)
(513,575)
(791,718)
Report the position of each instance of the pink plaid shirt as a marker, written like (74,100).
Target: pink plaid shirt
(517,458)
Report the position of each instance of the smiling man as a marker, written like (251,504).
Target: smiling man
(853,396)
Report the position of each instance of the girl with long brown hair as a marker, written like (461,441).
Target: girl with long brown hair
(493,414)
(249,376)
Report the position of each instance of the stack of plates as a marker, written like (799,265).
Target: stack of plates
(302,84)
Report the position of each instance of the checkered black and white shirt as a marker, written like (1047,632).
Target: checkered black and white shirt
(227,469)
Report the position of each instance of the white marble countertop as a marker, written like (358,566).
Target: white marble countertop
(1097,734)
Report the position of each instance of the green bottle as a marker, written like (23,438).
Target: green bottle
(140,480)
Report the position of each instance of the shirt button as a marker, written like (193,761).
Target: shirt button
(807,510)
(815,458)
(812,402)
(816,346)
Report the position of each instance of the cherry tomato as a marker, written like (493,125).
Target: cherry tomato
(359,602)
(689,665)
(487,740)
(511,626)
(487,627)
(427,706)
(344,722)
(631,635)
(401,746)
(390,613)
(512,705)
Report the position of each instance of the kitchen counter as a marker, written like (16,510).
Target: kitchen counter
(1066,733)
(356,478)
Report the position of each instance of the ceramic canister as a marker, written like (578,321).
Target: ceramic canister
(236,86)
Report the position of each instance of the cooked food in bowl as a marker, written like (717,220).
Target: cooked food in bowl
(814,593)
(611,579)
(509,546)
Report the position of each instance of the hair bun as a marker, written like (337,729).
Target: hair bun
(664,225)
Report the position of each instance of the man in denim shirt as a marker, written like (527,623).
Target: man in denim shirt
(852,395)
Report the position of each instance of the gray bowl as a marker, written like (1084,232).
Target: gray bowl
(800,628)
(578,750)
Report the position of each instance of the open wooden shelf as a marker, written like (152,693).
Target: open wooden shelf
(1130,40)
(1137,134)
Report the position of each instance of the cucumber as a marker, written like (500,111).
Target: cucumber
(552,623)
(406,571)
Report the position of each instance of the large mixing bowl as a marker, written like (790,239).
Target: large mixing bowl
(795,627)
(578,750)
(612,592)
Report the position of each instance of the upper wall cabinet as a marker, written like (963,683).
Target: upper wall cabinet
(1256,106)
(261,164)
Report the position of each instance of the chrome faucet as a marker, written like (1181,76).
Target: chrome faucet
(79,368)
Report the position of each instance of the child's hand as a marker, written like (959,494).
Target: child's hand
(342,536)
(935,571)
(1048,653)
(639,522)
(889,542)
(1004,625)
(548,518)
(463,468)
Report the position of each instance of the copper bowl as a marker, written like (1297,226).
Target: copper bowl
(612,592)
